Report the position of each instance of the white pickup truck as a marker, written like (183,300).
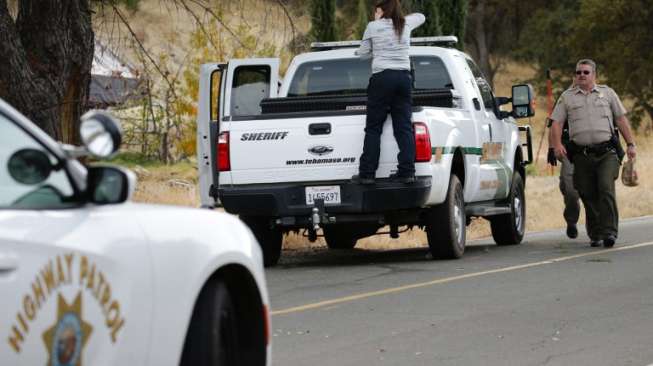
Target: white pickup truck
(281,154)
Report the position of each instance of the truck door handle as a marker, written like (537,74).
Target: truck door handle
(8,263)
(319,128)
(477,104)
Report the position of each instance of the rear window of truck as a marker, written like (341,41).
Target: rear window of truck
(351,76)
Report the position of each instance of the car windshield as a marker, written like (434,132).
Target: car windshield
(351,76)
(30,176)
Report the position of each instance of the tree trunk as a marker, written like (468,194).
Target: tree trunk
(47,53)
(480,46)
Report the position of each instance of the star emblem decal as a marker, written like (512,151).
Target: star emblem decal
(65,340)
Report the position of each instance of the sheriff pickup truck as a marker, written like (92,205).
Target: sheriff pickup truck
(281,153)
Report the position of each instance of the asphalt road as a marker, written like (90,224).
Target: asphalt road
(549,301)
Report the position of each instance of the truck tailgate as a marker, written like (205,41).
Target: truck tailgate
(302,149)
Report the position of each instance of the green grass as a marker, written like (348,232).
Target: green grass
(130,159)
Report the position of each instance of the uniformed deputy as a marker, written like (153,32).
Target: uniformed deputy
(591,111)
(570,195)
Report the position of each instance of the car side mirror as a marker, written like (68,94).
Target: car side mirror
(523,101)
(29,166)
(100,133)
(110,185)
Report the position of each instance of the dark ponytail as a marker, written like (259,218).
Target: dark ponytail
(392,10)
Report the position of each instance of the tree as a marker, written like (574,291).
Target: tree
(431,11)
(621,42)
(323,20)
(362,18)
(46,53)
(546,44)
(494,28)
(453,18)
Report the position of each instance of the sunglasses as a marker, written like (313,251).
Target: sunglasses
(586,72)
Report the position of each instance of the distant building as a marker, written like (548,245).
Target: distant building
(113,81)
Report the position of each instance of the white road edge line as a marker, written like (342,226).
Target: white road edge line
(439,281)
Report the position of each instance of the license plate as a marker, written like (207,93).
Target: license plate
(330,194)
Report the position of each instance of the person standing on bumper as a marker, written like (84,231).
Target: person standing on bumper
(591,111)
(387,41)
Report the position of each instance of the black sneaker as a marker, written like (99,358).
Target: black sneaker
(405,179)
(572,231)
(357,179)
(609,241)
(595,243)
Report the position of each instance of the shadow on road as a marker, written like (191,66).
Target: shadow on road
(324,257)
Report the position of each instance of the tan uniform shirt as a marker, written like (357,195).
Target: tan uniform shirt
(590,115)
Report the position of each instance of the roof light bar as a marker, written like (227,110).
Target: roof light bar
(316,46)
(440,41)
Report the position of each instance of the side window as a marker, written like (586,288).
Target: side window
(251,84)
(30,176)
(483,86)
(430,73)
(216,79)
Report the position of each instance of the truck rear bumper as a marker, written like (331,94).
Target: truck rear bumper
(289,199)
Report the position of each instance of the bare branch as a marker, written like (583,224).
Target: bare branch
(216,17)
(292,24)
(200,24)
(140,45)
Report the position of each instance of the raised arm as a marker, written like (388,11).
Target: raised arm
(414,20)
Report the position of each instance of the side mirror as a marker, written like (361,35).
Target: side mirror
(29,166)
(501,101)
(109,185)
(100,133)
(523,101)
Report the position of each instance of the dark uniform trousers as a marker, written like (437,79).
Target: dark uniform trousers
(388,91)
(594,178)
(569,193)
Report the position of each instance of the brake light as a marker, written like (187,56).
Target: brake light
(224,163)
(422,143)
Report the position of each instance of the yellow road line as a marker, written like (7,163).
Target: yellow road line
(440,281)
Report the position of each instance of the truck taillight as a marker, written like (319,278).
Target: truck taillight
(422,142)
(224,163)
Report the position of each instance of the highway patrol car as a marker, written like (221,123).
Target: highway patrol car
(88,278)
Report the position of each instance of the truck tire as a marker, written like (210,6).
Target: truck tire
(213,333)
(340,237)
(446,224)
(509,229)
(270,239)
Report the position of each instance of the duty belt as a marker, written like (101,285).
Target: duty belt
(596,149)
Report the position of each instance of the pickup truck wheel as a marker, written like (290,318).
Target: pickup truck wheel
(213,332)
(339,237)
(270,239)
(509,229)
(445,229)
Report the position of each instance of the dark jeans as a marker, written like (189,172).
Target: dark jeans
(388,91)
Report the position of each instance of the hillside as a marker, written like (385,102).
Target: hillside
(164,27)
